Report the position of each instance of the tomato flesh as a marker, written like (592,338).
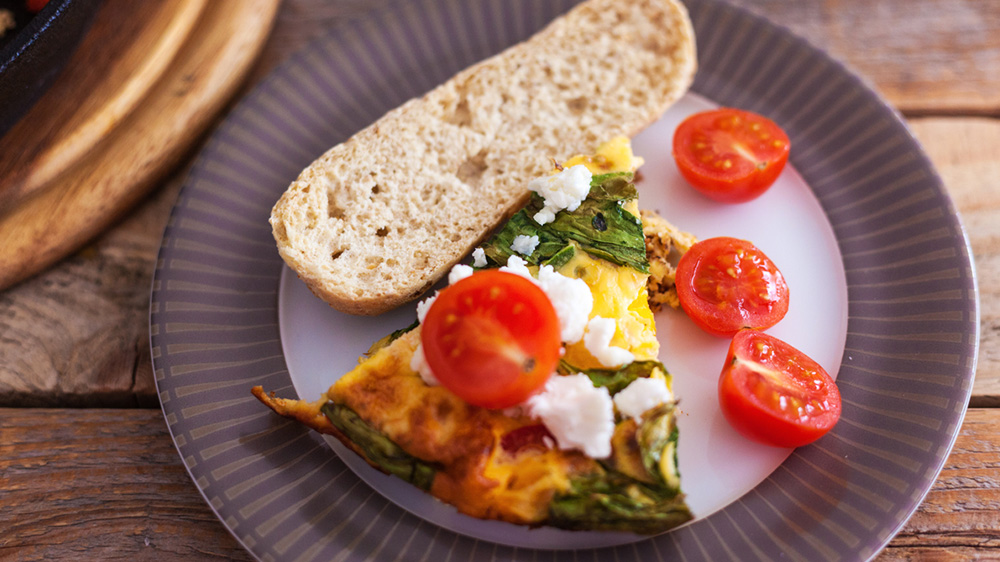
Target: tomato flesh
(725,284)
(492,339)
(527,437)
(730,155)
(774,394)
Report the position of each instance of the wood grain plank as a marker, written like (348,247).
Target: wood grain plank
(925,56)
(109,484)
(101,485)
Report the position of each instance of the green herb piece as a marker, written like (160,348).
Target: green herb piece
(600,226)
(378,448)
(657,438)
(615,380)
(612,501)
(561,257)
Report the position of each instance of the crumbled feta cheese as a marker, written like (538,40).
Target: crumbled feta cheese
(524,245)
(579,415)
(423,306)
(419,364)
(478,258)
(565,189)
(641,395)
(517,266)
(459,272)
(572,300)
(597,340)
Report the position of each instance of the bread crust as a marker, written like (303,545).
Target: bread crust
(376,220)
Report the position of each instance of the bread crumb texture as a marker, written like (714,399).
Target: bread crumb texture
(377,219)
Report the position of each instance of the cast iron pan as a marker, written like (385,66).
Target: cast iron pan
(33,53)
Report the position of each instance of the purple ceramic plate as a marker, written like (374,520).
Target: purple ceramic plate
(912,318)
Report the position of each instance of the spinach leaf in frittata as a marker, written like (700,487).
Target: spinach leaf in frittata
(600,226)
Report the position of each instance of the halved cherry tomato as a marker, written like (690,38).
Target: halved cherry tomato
(730,155)
(492,338)
(773,393)
(725,284)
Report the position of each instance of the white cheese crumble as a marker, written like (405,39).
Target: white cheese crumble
(579,415)
(419,364)
(565,189)
(597,340)
(641,395)
(524,245)
(478,258)
(517,266)
(459,272)
(423,306)
(571,298)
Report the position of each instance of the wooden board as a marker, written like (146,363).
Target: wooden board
(147,81)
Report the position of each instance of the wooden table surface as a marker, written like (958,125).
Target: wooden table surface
(88,470)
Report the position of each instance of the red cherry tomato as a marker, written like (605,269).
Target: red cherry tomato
(730,155)
(773,393)
(492,339)
(725,284)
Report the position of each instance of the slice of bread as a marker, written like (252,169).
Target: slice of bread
(376,220)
